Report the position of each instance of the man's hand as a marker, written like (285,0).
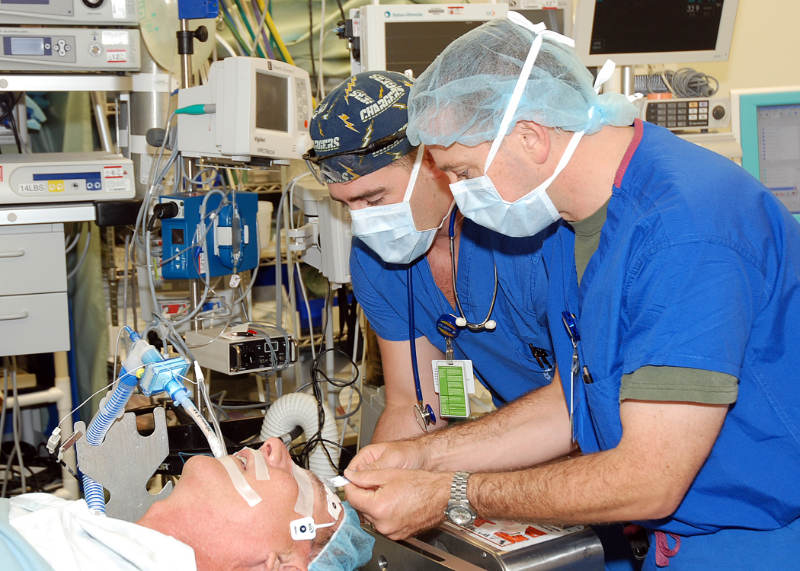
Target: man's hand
(406,454)
(399,503)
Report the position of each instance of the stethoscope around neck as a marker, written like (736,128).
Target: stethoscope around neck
(488,324)
(423,411)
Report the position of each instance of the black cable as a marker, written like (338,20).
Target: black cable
(341,10)
(8,115)
(10,109)
(303,450)
(311,45)
(14,130)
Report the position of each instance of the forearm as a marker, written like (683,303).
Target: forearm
(644,477)
(398,422)
(528,431)
(589,489)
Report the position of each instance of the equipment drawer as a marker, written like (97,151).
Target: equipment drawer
(32,261)
(33,323)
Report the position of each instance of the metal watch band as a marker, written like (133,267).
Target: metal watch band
(458,488)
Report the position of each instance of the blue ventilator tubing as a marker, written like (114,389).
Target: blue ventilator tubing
(144,367)
(110,410)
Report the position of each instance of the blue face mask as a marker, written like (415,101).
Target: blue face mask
(478,198)
(389,229)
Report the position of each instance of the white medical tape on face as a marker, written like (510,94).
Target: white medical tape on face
(333,503)
(305,491)
(262,471)
(233,468)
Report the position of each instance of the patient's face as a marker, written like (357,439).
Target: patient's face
(230,530)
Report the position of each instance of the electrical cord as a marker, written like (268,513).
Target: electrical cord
(71,242)
(82,257)
(321,79)
(311,45)
(10,105)
(3,417)
(303,450)
(686,82)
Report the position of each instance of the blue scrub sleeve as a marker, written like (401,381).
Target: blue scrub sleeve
(379,290)
(690,304)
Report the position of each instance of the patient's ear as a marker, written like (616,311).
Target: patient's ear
(297,560)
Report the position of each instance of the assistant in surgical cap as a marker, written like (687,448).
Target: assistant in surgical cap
(350,547)
(462,95)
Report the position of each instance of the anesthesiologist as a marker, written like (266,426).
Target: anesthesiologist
(234,512)
(410,243)
(674,303)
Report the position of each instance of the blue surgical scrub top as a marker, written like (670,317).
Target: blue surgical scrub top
(503,359)
(698,266)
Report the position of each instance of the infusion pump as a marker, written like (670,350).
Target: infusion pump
(250,108)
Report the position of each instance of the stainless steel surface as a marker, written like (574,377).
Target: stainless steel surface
(100,110)
(577,551)
(627,80)
(444,548)
(38,82)
(388,555)
(186,60)
(148,109)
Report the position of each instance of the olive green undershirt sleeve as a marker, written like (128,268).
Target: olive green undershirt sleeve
(653,383)
(679,384)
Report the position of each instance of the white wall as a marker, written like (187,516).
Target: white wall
(765,50)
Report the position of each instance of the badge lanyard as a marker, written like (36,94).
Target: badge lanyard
(453,378)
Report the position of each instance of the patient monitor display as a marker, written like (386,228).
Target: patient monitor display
(250,108)
(398,37)
(272,102)
(654,31)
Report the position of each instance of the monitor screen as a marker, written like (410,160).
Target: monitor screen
(414,45)
(778,137)
(654,26)
(272,102)
(640,32)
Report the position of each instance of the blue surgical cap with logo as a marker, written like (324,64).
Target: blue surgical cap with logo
(366,108)
(349,548)
(462,96)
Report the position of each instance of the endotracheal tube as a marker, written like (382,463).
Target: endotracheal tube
(144,366)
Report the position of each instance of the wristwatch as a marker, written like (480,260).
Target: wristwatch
(458,509)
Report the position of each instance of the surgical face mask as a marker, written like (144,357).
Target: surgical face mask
(389,229)
(478,198)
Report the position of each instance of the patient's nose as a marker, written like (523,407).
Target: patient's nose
(275,453)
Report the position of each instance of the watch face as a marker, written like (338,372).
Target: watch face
(460,515)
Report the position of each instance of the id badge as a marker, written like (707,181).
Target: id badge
(454,382)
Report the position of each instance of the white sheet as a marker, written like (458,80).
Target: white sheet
(69,536)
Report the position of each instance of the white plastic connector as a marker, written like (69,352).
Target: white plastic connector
(198,373)
(54,439)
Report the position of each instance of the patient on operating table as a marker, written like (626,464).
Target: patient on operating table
(232,512)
